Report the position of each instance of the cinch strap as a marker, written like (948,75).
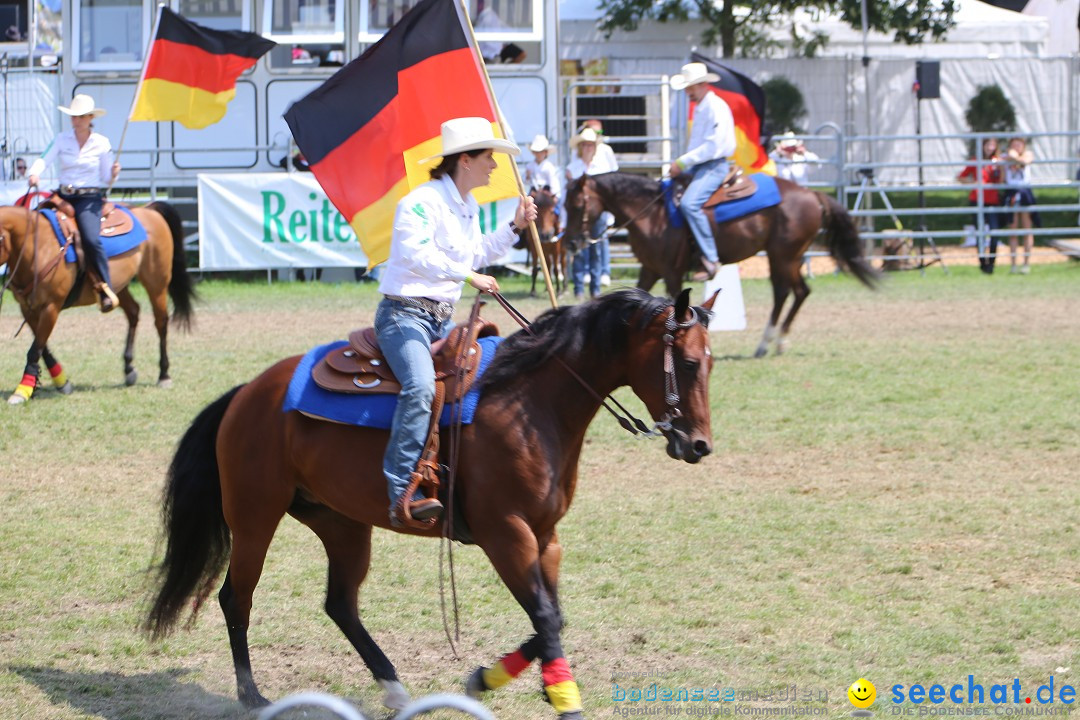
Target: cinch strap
(561,689)
(508,668)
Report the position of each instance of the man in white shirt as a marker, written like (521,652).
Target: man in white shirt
(541,172)
(792,158)
(712,142)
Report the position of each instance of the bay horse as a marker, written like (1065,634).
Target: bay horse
(243,464)
(784,232)
(547,226)
(41,281)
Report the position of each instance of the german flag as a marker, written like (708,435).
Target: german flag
(366,128)
(747,102)
(190,74)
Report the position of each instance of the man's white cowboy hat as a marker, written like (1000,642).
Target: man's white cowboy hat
(82,105)
(788,141)
(471,133)
(586,135)
(539,144)
(692,74)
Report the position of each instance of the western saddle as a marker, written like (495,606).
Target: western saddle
(360,368)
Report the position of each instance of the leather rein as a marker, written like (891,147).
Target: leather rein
(627,420)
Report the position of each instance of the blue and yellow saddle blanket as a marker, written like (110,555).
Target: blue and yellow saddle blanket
(766,196)
(374,411)
(114,245)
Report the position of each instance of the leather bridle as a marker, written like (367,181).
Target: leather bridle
(627,420)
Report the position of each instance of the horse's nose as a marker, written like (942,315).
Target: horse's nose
(701,448)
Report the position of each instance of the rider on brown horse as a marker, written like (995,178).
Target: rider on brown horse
(712,142)
(85,160)
(435,246)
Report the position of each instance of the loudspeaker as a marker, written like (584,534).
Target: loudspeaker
(928,76)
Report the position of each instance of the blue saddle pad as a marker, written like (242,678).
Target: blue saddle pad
(114,244)
(374,411)
(766,196)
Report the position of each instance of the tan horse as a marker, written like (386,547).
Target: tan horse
(41,281)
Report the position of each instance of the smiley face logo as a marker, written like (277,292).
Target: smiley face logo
(862,693)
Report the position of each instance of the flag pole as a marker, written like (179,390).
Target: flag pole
(138,89)
(517,173)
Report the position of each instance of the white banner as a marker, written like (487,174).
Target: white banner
(271,220)
(284,220)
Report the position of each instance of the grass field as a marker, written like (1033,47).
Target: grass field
(894,499)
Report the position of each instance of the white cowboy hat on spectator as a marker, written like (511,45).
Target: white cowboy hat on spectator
(788,141)
(471,133)
(586,135)
(692,74)
(539,144)
(82,105)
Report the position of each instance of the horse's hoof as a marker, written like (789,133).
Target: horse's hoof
(16,399)
(574,715)
(131,377)
(761,352)
(474,684)
(395,696)
(66,389)
(164,383)
(253,699)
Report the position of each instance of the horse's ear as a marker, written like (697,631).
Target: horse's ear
(709,303)
(682,304)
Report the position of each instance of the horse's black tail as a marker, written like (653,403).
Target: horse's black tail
(845,246)
(196,536)
(181,288)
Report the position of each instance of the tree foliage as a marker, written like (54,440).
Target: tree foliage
(989,111)
(910,21)
(785,107)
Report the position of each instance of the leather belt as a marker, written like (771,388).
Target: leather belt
(71,190)
(441,311)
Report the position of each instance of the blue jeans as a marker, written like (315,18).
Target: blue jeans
(590,259)
(605,247)
(707,177)
(405,335)
(88,218)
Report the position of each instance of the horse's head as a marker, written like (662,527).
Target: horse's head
(547,220)
(583,206)
(670,373)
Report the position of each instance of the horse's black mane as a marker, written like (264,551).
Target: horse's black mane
(601,324)
(628,185)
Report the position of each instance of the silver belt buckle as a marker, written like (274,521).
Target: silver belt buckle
(67,189)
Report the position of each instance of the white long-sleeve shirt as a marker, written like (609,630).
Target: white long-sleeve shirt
(88,166)
(712,136)
(601,163)
(538,175)
(437,243)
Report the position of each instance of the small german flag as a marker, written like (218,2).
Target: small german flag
(364,130)
(747,102)
(190,73)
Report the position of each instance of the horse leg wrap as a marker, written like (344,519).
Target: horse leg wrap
(561,689)
(26,387)
(59,377)
(508,668)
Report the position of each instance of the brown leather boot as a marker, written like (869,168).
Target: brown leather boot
(420,512)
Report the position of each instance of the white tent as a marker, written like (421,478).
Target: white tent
(1062,16)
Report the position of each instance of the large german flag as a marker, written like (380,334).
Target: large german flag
(747,102)
(366,128)
(190,74)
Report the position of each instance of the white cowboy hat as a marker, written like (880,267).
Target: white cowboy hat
(586,135)
(692,74)
(471,133)
(539,144)
(787,140)
(82,105)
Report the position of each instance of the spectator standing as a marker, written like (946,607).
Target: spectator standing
(791,158)
(1018,195)
(991,175)
(604,162)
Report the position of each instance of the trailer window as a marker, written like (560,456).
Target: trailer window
(304,21)
(216,14)
(110,33)
(497,22)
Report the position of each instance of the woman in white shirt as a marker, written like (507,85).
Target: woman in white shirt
(1018,195)
(435,247)
(86,170)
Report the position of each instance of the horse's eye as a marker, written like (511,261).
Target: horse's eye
(691,364)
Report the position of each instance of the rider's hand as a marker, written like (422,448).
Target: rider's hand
(33,179)
(675,170)
(115,170)
(526,213)
(484,283)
